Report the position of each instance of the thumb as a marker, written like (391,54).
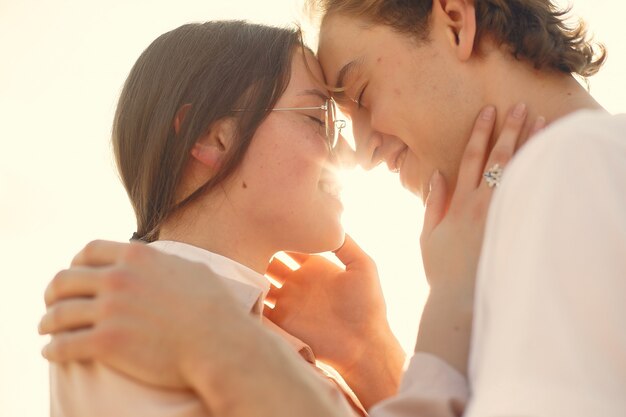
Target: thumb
(435,203)
(352,256)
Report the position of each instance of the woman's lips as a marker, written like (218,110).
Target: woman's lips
(331,188)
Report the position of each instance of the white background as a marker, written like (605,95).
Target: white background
(62,64)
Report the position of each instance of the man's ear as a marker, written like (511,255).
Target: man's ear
(211,149)
(459,20)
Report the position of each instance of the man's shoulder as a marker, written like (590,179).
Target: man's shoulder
(583,142)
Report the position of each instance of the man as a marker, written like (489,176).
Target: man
(549,316)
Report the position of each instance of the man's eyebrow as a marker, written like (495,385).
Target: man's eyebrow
(314,92)
(347,69)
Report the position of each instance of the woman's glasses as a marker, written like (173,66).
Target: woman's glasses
(332,125)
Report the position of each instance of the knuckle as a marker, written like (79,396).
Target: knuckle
(370,264)
(90,248)
(134,252)
(108,307)
(107,338)
(472,154)
(117,280)
(500,154)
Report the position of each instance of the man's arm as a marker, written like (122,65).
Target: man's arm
(93,389)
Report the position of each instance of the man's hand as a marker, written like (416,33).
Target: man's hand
(147,314)
(341,314)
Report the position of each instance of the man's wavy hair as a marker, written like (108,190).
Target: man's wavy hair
(535,30)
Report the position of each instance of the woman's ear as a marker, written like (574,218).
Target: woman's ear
(211,149)
(459,19)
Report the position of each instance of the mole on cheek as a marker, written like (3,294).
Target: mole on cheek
(244,185)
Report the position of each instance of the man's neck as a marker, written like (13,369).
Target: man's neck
(548,94)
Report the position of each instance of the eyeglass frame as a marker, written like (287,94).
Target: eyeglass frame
(332,133)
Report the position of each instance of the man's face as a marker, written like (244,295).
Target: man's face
(412,103)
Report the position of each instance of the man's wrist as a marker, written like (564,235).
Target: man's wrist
(261,377)
(375,375)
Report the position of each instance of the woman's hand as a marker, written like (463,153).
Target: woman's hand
(341,314)
(145,313)
(452,237)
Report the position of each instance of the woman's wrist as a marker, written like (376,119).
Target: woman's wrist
(445,328)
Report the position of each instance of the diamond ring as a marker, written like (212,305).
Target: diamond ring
(493,176)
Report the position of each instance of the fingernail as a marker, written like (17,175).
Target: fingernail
(519,111)
(488,113)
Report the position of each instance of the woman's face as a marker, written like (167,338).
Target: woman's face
(285,188)
(408,101)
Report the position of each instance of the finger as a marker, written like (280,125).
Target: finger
(435,204)
(71,346)
(272,295)
(73,282)
(504,148)
(102,252)
(68,315)
(475,153)
(278,271)
(300,258)
(351,255)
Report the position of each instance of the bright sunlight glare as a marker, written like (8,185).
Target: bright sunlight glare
(64,62)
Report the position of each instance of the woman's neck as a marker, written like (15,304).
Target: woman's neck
(218,231)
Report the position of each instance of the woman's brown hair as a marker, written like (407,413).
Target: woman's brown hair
(214,68)
(534,30)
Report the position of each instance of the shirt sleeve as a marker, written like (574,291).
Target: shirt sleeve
(549,336)
(92,389)
(429,388)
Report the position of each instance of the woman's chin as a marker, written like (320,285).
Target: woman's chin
(330,241)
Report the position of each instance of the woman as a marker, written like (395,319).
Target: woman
(223,137)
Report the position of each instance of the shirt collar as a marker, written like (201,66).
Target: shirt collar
(228,269)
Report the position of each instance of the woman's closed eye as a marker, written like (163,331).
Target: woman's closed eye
(317,120)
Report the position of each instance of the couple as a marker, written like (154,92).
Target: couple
(226,140)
